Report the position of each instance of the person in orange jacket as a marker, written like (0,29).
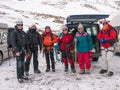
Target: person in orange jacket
(107,38)
(48,39)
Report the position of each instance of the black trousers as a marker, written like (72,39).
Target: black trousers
(20,65)
(49,55)
(35,61)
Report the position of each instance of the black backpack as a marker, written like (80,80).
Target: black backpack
(9,37)
(113,41)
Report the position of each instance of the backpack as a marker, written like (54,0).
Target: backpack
(113,41)
(9,37)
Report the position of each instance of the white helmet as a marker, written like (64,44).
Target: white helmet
(19,21)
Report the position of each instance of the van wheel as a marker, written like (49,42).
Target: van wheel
(1,58)
(95,59)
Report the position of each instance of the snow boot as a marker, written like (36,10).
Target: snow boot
(53,70)
(47,70)
(87,71)
(37,71)
(110,73)
(26,73)
(25,77)
(102,71)
(66,68)
(20,80)
(82,72)
(73,69)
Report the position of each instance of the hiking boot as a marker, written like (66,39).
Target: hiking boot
(110,73)
(102,71)
(53,70)
(25,77)
(87,71)
(82,72)
(26,73)
(37,71)
(47,70)
(20,80)
(73,69)
(66,68)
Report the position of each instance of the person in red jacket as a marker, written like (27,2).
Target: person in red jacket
(107,37)
(67,48)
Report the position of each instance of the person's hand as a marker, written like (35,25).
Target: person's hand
(27,55)
(103,40)
(75,39)
(60,37)
(17,53)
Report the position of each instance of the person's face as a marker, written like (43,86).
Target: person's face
(105,26)
(47,29)
(20,26)
(65,30)
(80,29)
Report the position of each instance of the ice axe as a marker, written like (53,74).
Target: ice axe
(77,78)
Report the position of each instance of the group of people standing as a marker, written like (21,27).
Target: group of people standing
(27,44)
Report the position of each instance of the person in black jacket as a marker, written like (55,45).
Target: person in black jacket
(20,46)
(34,40)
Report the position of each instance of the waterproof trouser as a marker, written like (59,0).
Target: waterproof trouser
(68,57)
(107,56)
(20,65)
(49,55)
(84,60)
(35,61)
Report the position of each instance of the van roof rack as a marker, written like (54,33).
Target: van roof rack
(86,18)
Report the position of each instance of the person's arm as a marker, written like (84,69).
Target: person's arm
(40,41)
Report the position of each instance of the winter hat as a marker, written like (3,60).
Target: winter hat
(19,21)
(80,26)
(64,28)
(33,28)
(106,26)
(47,27)
(105,22)
(47,31)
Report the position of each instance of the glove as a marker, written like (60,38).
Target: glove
(103,40)
(27,55)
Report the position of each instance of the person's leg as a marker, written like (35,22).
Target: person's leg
(64,57)
(87,62)
(47,61)
(52,60)
(110,63)
(71,61)
(81,62)
(27,64)
(104,63)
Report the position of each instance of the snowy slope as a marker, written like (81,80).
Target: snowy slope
(44,12)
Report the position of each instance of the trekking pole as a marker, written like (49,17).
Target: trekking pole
(9,55)
(76,59)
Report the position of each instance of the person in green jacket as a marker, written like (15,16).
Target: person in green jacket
(84,46)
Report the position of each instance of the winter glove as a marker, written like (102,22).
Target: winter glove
(103,40)
(17,54)
(27,55)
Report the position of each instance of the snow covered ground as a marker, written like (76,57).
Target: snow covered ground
(60,80)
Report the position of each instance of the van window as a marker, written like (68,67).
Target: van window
(94,30)
(4,36)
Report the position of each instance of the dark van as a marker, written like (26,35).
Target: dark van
(91,26)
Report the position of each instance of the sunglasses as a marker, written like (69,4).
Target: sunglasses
(19,24)
(65,30)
